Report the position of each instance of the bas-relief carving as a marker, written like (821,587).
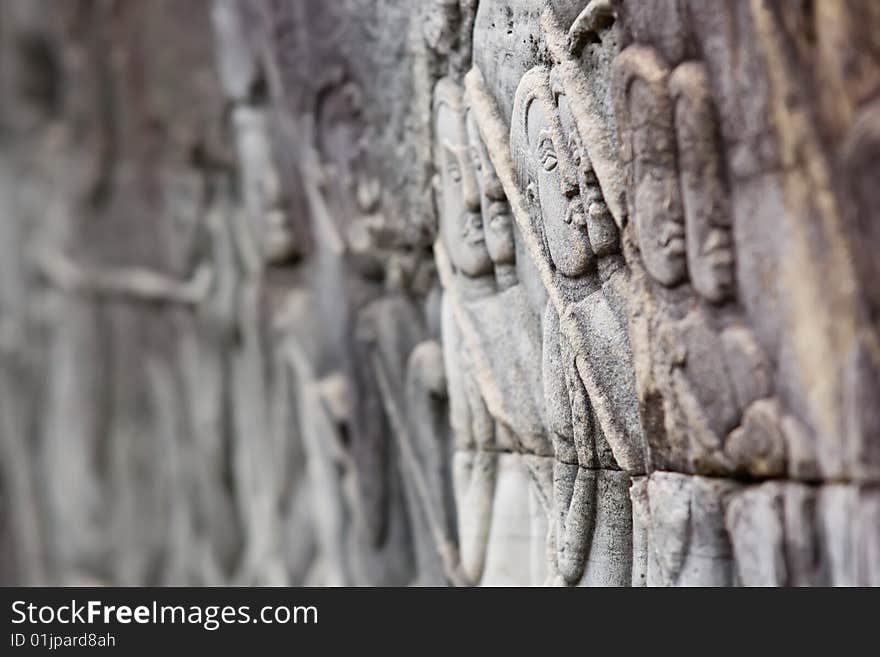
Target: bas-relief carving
(474,468)
(862,383)
(263,185)
(358,512)
(697,195)
(704,367)
(513,358)
(546,169)
(387,330)
(788,533)
(714,380)
(427,458)
(374,336)
(261,235)
(499,472)
(602,377)
(596,432)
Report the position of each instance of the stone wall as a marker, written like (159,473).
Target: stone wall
(496,292)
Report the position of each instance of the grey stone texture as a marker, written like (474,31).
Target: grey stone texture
(446,292)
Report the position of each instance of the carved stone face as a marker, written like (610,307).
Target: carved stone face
(709,248)
(461,223)
(558,193)
(656,202)
(601,228)
(497,219)
(263,189)
(710,257)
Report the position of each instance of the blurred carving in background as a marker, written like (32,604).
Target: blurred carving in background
(448,292)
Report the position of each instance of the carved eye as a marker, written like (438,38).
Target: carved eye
(454,172)
(473,224)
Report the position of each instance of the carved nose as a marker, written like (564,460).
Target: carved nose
(470,191)
(494,189)
(473,223)
(570,186)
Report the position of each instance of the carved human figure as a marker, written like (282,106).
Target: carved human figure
(461,231)
(495,210)
(262,235)
(426,463)
(710,338)
(387,329)
(255,127)
(366,327)
(212,246)
(320,406)
(341,147)
(789,533)
(705,363)
(647,145)
(593,527)
(703,184)
(498,421)
(602,318)
(524,492)
(263,186)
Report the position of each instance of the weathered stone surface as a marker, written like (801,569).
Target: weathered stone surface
(496,292)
